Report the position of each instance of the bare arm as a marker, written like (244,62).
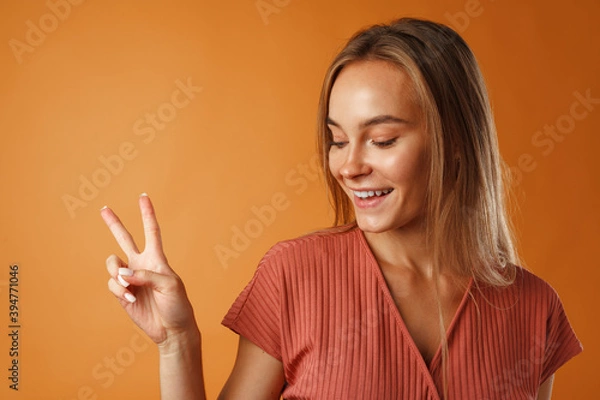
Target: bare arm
(545,392)
(256,375)
(181,375)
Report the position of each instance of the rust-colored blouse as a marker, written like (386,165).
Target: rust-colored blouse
(321,306)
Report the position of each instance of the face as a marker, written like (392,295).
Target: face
(379,150)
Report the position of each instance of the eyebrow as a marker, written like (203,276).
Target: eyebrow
(380,119)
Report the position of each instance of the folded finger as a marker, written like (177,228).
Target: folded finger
(113,263)
(156,281)
(119,231)
(121,293)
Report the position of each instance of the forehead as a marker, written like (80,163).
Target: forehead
(371,87)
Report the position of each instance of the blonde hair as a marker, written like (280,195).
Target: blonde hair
(468,227)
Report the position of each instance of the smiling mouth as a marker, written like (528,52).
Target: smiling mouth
(371,193)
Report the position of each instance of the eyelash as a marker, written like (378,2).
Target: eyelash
(339,145)
(383,145)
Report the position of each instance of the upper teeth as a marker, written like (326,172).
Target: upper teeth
(371,193)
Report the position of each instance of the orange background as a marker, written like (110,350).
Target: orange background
(247,139)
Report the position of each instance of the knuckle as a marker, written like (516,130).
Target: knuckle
(176,283)
(144,274)
(112,259)
(170,283)
(112,285)
(152,229)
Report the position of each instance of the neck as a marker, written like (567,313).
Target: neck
(403,248)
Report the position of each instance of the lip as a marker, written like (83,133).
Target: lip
(367,189)
(370,202)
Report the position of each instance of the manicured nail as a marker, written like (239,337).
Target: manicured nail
(125,271)
(122,281)
(144,194)
(130,298)
(103,208)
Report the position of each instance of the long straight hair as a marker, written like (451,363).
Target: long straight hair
(467,224)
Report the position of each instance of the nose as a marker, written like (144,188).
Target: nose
(354,163)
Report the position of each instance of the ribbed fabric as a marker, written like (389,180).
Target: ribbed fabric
(320,305)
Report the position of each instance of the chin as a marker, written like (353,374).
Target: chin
(381,224)
(373,226)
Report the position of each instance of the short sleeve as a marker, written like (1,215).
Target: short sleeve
(561,342)
(256,313)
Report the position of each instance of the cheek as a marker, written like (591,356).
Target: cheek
(405,167)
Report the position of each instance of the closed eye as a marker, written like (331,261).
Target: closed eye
(384,144)
(339,145)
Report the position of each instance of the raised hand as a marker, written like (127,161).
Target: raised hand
(146,286)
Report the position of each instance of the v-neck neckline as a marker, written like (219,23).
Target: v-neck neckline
(427,370)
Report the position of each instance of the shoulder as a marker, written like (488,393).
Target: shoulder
(326,242)
(548,321)
(532,286)
(528,293)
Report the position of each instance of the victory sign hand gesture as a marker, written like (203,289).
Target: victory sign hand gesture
(145,285)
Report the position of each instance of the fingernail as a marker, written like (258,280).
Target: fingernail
(130,298)
(103,208)
(144,194)
(122,281)
(126,271)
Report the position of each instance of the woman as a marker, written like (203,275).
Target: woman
(416,293)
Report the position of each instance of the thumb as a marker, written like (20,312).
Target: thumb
(156,281)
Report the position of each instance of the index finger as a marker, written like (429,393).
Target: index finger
(121,234)
(151,228)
